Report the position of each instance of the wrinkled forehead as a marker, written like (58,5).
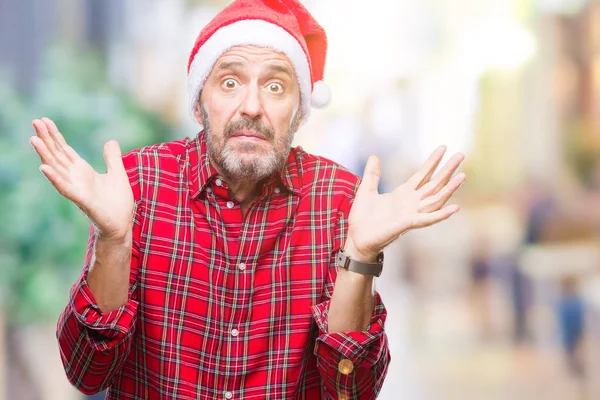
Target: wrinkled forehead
(256,57)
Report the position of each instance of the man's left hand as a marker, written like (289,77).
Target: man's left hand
(376,219)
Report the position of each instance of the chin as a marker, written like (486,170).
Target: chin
(247,146)
(247,172)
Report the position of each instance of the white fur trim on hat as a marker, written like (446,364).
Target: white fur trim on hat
(249,32)
(321,95)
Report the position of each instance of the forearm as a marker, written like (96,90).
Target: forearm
(352,301)
(108,276)
(351,347)
(352,364)
(95,344)
(93,348)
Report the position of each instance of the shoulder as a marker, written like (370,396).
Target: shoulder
(320,174)
(150,164)
(155,153)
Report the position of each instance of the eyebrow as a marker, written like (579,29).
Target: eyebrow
(230,65)
(281,68)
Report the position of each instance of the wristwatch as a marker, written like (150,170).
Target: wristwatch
(363,268)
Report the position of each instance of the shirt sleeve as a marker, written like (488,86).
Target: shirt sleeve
(352,365)
(93,345)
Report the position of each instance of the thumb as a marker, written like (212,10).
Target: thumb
(112,156)
(372,174)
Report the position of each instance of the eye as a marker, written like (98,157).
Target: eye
(275,88)
(229,83)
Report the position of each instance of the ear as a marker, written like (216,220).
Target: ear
(197,114)
(297,121)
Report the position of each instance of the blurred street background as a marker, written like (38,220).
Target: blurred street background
(502,301)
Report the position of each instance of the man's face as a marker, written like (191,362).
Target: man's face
(249,108)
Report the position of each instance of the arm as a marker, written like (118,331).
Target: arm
(354,296)
(95,344)
(95,330)
(351,347)
(108,275)
(351,328)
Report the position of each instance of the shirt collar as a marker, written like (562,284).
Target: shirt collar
(200,172)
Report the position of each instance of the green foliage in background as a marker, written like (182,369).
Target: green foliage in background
(42,235)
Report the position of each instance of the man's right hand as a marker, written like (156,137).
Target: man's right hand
(106,199)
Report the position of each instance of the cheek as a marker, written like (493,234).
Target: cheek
(221,109)
(281,117)
(219,118)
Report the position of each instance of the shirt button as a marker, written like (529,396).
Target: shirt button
(342,396)
(277,190)
(345,366)
(228,395)
(230,204)
(219,183)
(234,332)
(242,266)
(209,189)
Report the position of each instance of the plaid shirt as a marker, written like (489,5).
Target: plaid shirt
(222,305)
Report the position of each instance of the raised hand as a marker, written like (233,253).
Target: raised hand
(106,199)
(376,220)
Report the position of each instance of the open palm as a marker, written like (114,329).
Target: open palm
(376,219)
(106,199)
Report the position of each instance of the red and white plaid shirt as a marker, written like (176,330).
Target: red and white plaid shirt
(221,305)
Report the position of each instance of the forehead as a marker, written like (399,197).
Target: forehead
(254,55)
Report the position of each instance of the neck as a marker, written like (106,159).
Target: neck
(244,191)
(241,190)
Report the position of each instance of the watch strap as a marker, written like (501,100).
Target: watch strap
(372,269)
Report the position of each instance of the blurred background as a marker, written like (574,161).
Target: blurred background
(502,301)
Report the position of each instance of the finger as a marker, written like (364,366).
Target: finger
(55,157)
(55,179)
(424,173)
(372,174)
(112,156)
(437,201)
(423,220)
(53,145)
(60,140)
(45,157)
(41,129)
(444,176)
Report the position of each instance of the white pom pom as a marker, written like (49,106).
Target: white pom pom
(321,95)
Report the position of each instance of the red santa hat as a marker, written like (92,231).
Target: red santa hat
(283,25)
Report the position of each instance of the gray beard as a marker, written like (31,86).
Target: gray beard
(231,160)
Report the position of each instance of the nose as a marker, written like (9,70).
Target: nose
(251,106)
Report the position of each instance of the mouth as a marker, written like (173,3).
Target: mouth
(249,135)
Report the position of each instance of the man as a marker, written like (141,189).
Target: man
(211,265)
